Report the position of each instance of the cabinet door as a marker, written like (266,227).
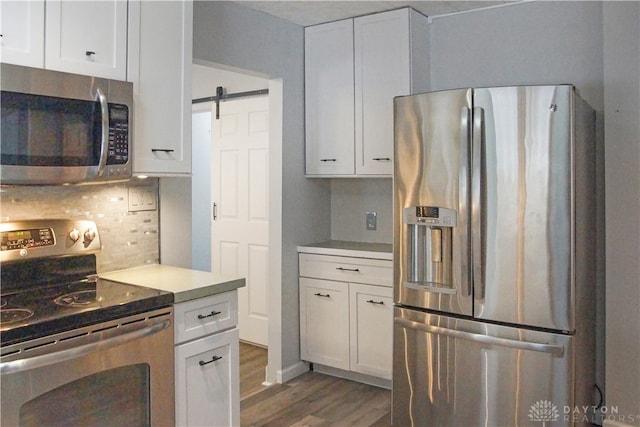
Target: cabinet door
(371,329)
(87,37)
(324,322)
(22,30)
(382,70)
(208,381)
(160,45)
(329,110)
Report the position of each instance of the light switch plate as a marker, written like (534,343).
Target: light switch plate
(372,220)
(142,199)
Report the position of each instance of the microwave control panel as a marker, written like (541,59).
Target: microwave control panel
(118,134)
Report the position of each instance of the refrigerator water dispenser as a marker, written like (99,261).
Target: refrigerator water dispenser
(429,237)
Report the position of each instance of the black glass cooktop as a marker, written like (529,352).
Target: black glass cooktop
(61,302)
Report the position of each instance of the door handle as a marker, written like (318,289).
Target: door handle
(104,120)
(355,270)
(478,210)
(484,339)
(215,211)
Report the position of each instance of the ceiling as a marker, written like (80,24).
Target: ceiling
(312,12)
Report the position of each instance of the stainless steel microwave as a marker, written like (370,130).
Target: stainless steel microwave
(62,128)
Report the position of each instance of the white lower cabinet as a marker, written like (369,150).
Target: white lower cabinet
(207,361)
(346,314)
(371,329)
(324,312)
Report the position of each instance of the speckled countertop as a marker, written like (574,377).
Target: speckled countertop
(353,249)
(184,283)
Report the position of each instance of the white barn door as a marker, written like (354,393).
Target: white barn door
(240,231)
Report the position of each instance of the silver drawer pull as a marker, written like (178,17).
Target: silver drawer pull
(348,269)
(318,294)
(375,302)
(213,313)
(213,359)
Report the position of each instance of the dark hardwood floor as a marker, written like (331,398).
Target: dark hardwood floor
(311,399)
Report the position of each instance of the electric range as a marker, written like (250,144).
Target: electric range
(49,281)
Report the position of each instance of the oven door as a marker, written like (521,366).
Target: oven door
(117,373)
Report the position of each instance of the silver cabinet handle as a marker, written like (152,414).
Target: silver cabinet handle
(355,270)
(213,359)
(484,339)
(104,120)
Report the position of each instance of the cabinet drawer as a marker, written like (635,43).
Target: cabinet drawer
(204,316)
(347,269)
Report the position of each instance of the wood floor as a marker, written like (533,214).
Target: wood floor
(311,399)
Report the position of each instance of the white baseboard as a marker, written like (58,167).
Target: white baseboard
(291,372)
(353,376)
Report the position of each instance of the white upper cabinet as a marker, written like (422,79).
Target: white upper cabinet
(22,29)
(87,37)
(382,72)
(384,56)
(329,95)
(160,47)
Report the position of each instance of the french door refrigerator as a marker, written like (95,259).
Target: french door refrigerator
(494,257)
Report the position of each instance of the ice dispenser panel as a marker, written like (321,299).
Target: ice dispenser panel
(429,237)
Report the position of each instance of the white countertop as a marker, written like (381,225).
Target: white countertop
(186,284)
(352,249)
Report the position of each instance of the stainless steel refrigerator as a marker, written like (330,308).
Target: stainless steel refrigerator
(494,257)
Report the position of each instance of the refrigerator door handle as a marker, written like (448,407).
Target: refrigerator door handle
(554,349)
(464,203)
(477,201)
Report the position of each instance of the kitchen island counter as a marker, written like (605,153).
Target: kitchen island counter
(186,284)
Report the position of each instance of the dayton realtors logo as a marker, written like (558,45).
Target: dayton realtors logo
(544,411)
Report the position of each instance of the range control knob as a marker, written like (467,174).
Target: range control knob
(74,235)
(89,235)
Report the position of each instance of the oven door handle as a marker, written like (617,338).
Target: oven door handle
(98,342)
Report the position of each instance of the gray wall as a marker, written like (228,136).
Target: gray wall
(229,34)
(622,136)
(351,198)
(528,43)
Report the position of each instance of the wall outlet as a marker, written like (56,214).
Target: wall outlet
(142,199)
(372,220)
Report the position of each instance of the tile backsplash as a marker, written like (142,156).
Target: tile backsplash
(129,239)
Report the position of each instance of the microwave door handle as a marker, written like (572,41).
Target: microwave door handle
(104,147)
